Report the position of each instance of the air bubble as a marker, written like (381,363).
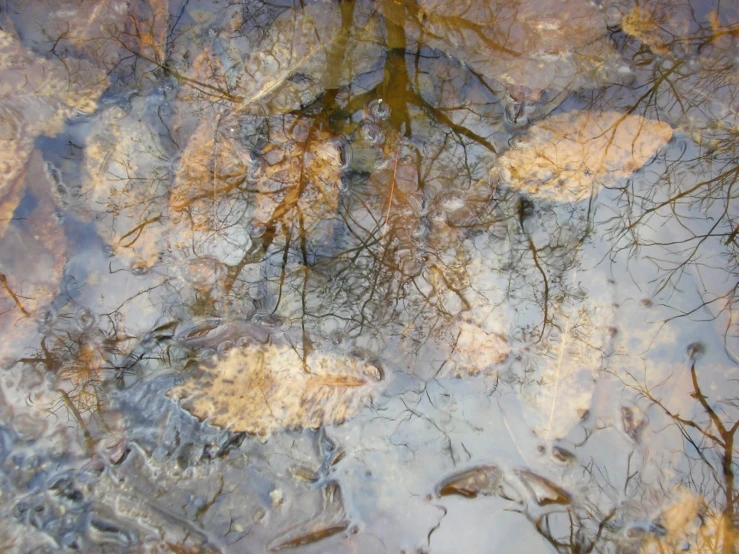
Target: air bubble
(139,267)
(371,132)
(45,320)
(21,510)
(379,109)
(202,273)
(207,356)
(84,319)
(256,229)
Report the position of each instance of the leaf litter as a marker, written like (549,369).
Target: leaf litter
(569,157)
(260,390)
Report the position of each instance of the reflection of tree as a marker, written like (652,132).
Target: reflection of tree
(655,509)
(330,166)
(687,77)
(708,439)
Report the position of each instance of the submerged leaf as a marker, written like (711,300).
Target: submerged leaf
(214,162)
(260,390)
(535,50)
(564,362)
(296,43)
(474,350)
(542,490)
(33,253)
(37,95)
(569,157)
(125,181)
(483,480)
(327,523)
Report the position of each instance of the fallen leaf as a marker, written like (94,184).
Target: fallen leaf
(535,50)
(640,24)
(297,42)
(569,157)
(542,491)
(300,189)
(261,390)
(37,96)
(33,253)
(125,181)
(330,521)
(481,480)
(214,163)
(562,363)
(73,29)
(474,350)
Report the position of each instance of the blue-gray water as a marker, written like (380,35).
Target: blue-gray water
(368,276)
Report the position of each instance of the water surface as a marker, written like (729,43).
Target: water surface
(368,276)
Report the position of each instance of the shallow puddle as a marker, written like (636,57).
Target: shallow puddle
(402,276)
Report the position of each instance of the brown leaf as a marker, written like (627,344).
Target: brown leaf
(260,390)
(73,29)
(568,157)
(469,483)
(330,521)
(297,42)
(640,24)
(543,491)
(213,163)
(300,188)
(535,50)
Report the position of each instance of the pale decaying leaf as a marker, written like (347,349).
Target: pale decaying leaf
(665,28)
(568,157)
(474,350)
(297,183)
(565,364)
(682,524)
(213,163)
(125,178)
(481,480)
(37,95)
(302,53)
(33,253)
(148,23)
(105,32)
(329,521)
(261,390)
(535,50)
(639,24)
(207,198)
(297,42)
